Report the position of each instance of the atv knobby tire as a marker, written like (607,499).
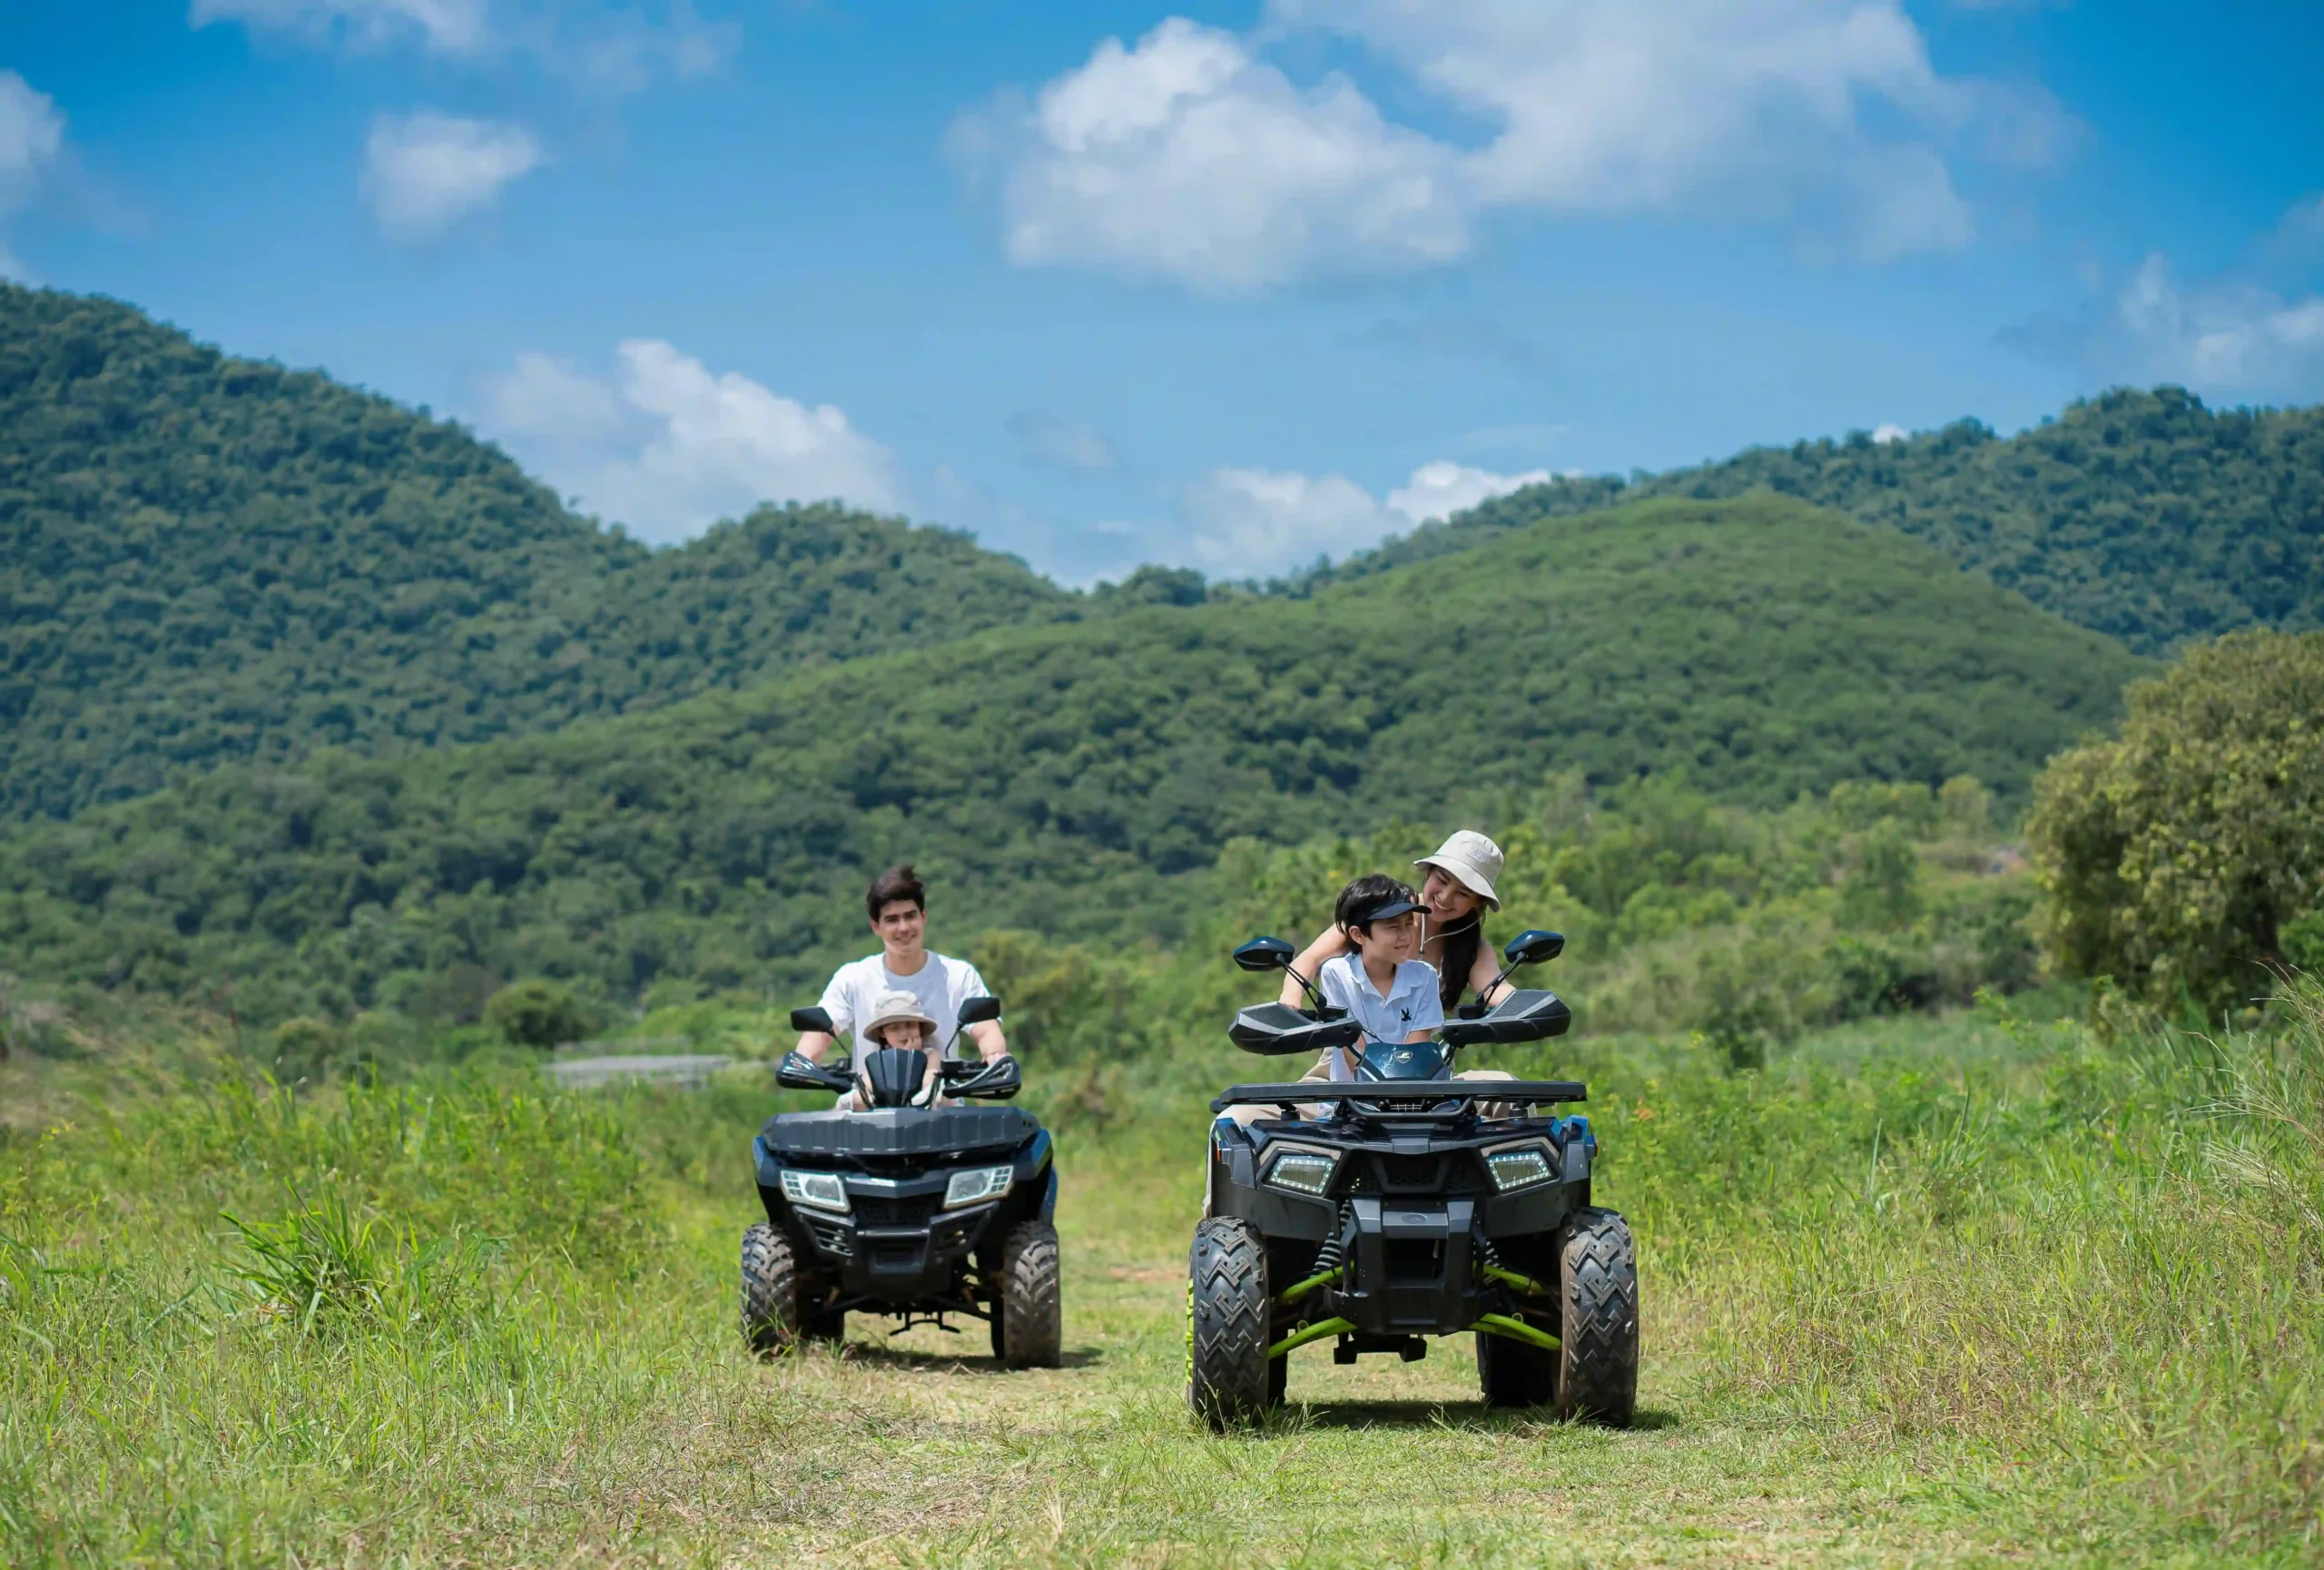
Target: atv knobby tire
(1031,1330)
(1597,1291)
(1227,1379)
(1515,1374)
(771,1321)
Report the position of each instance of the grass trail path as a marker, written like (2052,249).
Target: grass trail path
(919,1449)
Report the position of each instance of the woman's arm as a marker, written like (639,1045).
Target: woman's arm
(1481,972)
(1331,946)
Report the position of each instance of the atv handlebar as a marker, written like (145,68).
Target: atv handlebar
(1531,1092)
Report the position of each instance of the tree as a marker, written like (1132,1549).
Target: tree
(534,1012)
(2176,859)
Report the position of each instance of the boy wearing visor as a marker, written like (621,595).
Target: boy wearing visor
(1382,981)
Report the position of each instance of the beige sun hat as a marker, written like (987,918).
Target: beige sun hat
(891,1007)
(1471,859)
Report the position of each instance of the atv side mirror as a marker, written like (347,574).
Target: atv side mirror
(1533,947)
(809,1021)
(980,1012)
(1265,954)
(800,1073)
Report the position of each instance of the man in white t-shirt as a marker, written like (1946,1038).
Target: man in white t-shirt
(897,904)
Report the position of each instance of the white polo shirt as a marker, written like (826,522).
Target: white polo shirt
(941,984)
(1411,1003)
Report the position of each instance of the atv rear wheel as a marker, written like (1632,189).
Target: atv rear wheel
(1030,1328)
(1228,1379)
(1514,1373)
(771,1322)
(1597,1292)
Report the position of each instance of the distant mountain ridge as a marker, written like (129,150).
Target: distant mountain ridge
(1076,779)
(2142,515)
(206,559)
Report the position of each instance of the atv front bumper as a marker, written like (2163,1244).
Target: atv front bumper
(1417,1216)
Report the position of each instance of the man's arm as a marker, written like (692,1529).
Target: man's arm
(989,1041)
(1330,945)
(814,1044)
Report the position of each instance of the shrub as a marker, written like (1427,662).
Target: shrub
(2176,859)
(534,1012)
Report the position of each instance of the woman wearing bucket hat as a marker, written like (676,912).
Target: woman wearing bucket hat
(1458,890)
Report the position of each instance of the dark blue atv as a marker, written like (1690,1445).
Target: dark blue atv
(911,1211)
(1406,1204)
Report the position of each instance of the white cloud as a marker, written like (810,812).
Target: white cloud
(444,26)
(601,50)
(1188,155)
(1889,430)
(1255,522)
(668,447)
(1061,441)
(546,399)
(31,139)
(424,170)
(1259,522)
(2223,336)
(1442,488)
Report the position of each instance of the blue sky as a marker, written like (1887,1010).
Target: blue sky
(1229,286)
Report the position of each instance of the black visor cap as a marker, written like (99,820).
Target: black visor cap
(1386,911)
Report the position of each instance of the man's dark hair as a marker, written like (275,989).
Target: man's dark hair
(895,883)
(1366,894)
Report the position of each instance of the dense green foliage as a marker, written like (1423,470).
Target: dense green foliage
(205,559)
(1061,778)
(2185,858)
(1745,928)
(2144,515)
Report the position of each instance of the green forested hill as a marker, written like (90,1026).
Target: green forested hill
(1059,778)
(205,559)
(2144,515)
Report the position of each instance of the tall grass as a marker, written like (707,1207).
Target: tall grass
(2075,1275)
(2119,1270)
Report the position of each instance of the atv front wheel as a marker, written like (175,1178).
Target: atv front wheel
(1597,1291)
(1030,1327)
(1227,1378)
(771,1322)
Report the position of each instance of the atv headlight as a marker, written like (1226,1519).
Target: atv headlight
(1520,1167)
(974,1188)
(822,1191)
(1302,1171)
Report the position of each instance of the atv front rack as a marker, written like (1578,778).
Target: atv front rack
(1418,1095)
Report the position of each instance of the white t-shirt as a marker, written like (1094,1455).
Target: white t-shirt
(941,984)
(1411,1003)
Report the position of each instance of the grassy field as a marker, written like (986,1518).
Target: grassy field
(1935,1292)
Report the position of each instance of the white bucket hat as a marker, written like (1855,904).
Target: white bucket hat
(891,1007)
(1471,859)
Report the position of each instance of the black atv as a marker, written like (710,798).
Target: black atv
(911,1211)
(1415,1205)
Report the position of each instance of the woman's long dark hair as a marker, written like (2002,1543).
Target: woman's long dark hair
(1460,945)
